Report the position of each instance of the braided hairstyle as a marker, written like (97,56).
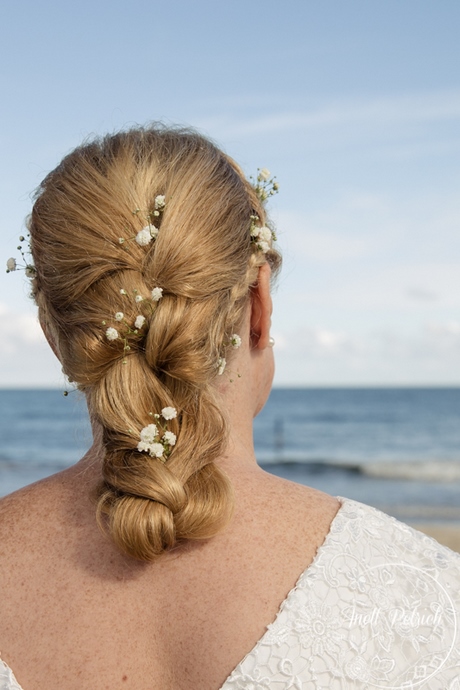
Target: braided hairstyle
(205,263)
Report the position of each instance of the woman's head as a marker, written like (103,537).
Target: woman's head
(201,263)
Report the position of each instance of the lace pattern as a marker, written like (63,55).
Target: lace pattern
(379,607)
(7,679)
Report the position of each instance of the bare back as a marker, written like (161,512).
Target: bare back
(74,613)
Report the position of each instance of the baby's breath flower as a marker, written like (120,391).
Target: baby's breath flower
(30,271)
(143,237)
(169,412)
(149,433)
(156,450)
(154,231)
(121,240)
(111,334)
(138,298)
(235,341)
(263,175)
(221,363)
(159,201)
(123,292)
(119,316)
(150,441)
(265,234)
(139,322)
(11,265)
(143,447)
(157,294)
(170,438)
(263,246)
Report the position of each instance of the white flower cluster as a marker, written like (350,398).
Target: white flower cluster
(12,264)
(157,294)
(150,231)
(235,343)
(265,185)
(146,235)
(262,237)
(155,439)
(139,322)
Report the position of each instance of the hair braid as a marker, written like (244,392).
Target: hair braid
(203,261)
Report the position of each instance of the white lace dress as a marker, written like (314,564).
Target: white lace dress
(379,607)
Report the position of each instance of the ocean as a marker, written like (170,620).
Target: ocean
(395,448)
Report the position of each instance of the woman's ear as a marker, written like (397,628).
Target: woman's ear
(261,309)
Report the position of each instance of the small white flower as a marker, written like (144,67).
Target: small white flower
(159,201)
(30,271)
(149,433)
(123,292)
(264,175)
(138,298)
(121,240)
(111,334)
(143,447)
(263,246)
(139,322)
(143,237)
(11,264)
(170,438)
(169,412)
(254,231)
(153,231)
(156,450)
(119,316)
(221,363)
(157,294)
(235,341)
(265,234)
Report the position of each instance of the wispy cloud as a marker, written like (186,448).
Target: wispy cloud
(431,106)
(385,356)
(25,356)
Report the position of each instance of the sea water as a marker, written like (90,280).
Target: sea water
(396,448)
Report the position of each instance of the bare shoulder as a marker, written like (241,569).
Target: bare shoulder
(29,524)
(297,517)
(299,499)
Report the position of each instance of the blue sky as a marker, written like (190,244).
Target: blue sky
(353,104)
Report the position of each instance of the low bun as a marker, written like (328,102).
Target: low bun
(134,351)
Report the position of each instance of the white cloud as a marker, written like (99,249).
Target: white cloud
(25,356)
(430,106)
(17,329)
(322,356)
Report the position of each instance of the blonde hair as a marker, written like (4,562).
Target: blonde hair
(204,261)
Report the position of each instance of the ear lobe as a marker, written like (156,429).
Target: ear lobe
(261,309)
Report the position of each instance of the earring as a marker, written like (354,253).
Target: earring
(271,342)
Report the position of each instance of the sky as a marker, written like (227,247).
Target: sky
(354,105)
